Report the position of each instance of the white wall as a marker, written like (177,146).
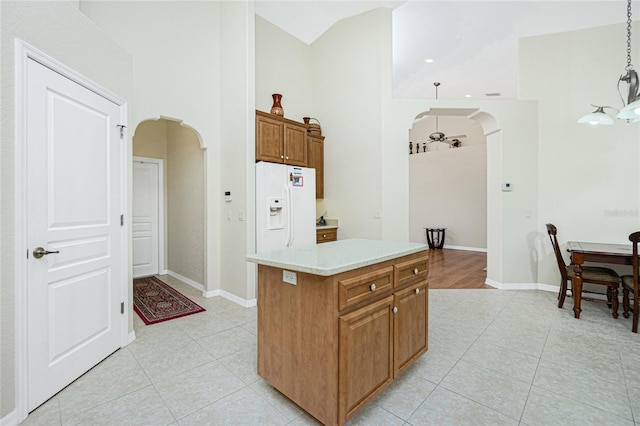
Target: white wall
(237,172)
(588,176)
(448,189)
(59,30)
(283,65)
(348,77)
(177,68)
(185,204)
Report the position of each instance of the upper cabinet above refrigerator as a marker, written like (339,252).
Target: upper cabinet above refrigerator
(279,140)
(283,141)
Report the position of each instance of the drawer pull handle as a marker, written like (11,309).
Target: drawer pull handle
(415,271)
(395,309)
(372,286)
(324,235)
(417,290)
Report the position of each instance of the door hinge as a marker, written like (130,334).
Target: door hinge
(121,220)
(122,127)
(122,308)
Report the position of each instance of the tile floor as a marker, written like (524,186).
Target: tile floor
(495,357)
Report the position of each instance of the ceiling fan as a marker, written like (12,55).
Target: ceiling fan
(438,136)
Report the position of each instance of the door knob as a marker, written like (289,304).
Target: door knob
(38,252)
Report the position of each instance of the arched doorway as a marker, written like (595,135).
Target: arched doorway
(448,179)
(179,149)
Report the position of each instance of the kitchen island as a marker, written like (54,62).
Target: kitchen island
(339,321)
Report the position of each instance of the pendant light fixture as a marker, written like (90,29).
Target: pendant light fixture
(631,110)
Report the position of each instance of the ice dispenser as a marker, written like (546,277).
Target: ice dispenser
(276,213)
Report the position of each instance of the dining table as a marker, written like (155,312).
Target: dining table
(581,251)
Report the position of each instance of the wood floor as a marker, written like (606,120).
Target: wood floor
(457,269)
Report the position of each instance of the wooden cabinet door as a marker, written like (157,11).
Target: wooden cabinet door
(366,355)
(410,325)
(269,140)
(295,145)
(316,160)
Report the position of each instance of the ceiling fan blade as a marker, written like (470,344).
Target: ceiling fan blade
(457,136)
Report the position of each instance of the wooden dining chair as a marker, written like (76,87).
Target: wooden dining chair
(590,274)
(630,285)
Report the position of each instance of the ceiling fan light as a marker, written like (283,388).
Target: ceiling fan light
(596,118)
(631,111)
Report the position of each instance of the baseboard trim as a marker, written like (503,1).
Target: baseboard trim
(232,297)
(131,337)
(10,419)
(483,250)
(542,287)
(186,280)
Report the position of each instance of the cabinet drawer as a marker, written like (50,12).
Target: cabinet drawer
(364,287)
(411,271)
(326,235)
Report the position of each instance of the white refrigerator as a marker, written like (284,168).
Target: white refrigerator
(285,206)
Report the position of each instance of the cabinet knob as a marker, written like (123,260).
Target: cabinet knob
(287,158)
(282,157)
(417,290)
(415,271)
(395,309)
(324,235)
(373,286)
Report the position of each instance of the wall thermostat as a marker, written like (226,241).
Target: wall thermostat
(506,186)
(227,195)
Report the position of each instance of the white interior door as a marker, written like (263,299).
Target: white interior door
(74,199)
(146,213)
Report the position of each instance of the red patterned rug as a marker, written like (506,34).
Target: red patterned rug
(155,301)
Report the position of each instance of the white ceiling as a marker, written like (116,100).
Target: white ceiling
(473,44)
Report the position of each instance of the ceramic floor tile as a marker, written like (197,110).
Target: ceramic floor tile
(243,364)
(228,342)
(277,400)
(48,414)
(243,407)
(547,408)
(118,375)
(204,324)
(494,390)
(634,399)
(197,388)
(167,363)
(443,407)
(434,364)
(502,360)
(467,359)
(404,395)
(586,386)
(143,407)
(374,415)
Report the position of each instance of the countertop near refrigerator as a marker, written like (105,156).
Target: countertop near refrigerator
(337,256)
(329,224)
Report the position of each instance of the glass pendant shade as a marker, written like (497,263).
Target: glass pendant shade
(597,118)
(631,111)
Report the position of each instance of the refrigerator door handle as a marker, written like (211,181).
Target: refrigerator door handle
(289,196)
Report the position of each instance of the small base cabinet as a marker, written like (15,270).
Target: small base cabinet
(332,343)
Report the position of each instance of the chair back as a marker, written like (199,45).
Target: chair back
(635,239)
(553,232)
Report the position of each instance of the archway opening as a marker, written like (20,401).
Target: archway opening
(183,187)
(448,179)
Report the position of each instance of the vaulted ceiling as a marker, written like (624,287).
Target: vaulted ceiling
(472,45)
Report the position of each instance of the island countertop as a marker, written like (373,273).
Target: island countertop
(337,256)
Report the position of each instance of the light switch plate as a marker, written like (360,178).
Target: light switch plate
(290,277)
